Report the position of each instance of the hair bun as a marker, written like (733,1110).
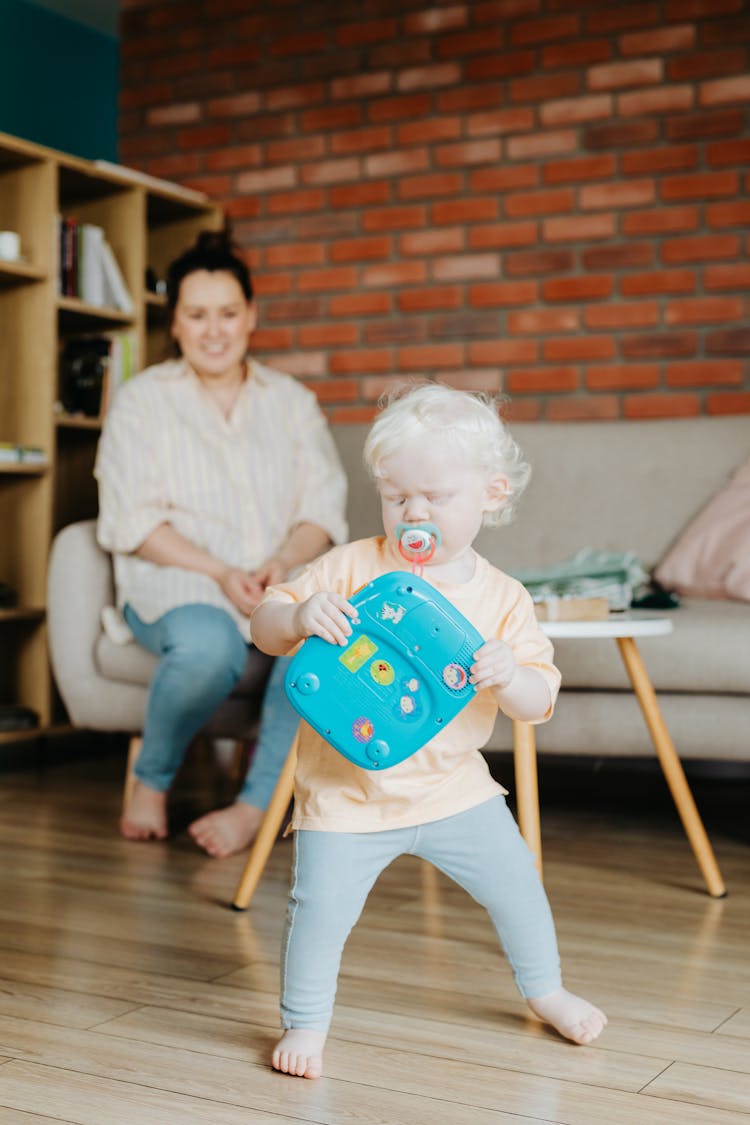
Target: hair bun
(214,242)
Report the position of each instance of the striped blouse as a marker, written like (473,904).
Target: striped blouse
(235,487)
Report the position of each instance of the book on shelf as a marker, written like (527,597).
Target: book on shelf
(88,267)
(13,454)
(92,367)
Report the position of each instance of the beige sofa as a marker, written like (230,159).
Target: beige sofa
(620,486)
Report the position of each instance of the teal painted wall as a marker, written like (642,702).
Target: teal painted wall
(58,81)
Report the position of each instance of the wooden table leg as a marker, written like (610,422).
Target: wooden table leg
(269,830)
(527,788)
(671,766)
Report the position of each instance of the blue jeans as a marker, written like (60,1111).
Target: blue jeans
(480,849)
(202,656)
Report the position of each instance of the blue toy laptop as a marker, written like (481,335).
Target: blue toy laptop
(403,675)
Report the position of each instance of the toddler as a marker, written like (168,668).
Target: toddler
(443,457)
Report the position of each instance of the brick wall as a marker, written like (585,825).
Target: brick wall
(545,197)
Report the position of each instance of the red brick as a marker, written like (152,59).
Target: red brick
(578,228)
(734,214)
(266,179)
(242,207)
(360,304)
(464,98)
(457,46)
(698,9)
(544,30)
(701,185)
(394,274)
(330,117)
(630,193)
(622,376)
(435,129)
(361,85)
(218,187)
(374,31)
(616,256)
(660,40)
(736,276)
(276,338)
(339,277)
(334,390)
(725,90)
(729,341)
(713,123)
(272,284)
(435,20)
(465,267)
(583,348)
(331,171)
(393,109)
(234,105)
(429,77)
(470,210)
(296,254)
(667,158)
(706,64)
(174,167)
(704,372)
(643,314)
(663,99)
(180,113)
(579,168)
(430,356)
(728,403)
(701,248)
(492,10)
(432,297)
(538,262)
(504,351)
(655,345)
(503,293)
(233,55)
(394,56)
(539,202)
(517,120)
(719,33)
(352,415)
(440,241)
(360,249)
(657,282)
(397,162)
(662,221)
(204,136)
(542,380)
(360,195)
(395,218)
(548,143)
(467,152)
(531,322)
(522,410)
(574,111)
(728,152)
(504,179)
(584,288)
(360,361)
(327,335)
(295,149)
(243,156)
(293,97)
(581,408)
(661,406)
(620,75)
(543,87)
(619,134)
(580,53)
(360,140)
(607,19)
(501,235)
(430,185)
(502,65)
(294,309)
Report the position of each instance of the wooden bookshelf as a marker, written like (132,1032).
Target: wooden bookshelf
(146,223)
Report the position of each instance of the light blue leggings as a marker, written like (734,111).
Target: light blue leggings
(202,656)
(333,873)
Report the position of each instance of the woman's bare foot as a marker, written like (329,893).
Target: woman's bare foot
(145,814)
(300,1052)
(572,1016)
(226,831)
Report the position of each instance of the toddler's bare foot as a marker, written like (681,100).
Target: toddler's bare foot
(572,1016)
(226,831)
(300,1052)
(145,815)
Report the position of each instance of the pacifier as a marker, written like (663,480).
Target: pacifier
(417,543)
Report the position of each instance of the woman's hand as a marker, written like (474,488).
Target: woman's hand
(241,587)
(271,572)
(325,615)
(494,666)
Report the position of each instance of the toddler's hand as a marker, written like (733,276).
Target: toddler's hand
(325,615)
(494,666)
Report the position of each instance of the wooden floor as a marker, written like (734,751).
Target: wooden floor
(131,994)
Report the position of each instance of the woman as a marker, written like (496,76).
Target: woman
(217,477)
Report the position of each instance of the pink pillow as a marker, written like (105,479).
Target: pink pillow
(711,558)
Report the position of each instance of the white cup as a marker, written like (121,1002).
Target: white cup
(10,245)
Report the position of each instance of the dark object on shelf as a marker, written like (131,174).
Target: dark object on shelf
(15,717)
(8,596)
(82,372)
(655,596)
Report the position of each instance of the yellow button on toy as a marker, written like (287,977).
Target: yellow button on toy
(382,672)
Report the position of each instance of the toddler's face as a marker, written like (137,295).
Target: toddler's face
(423,483)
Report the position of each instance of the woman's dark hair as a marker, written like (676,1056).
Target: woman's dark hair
(214,251)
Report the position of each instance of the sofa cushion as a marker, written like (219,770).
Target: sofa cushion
(707,651)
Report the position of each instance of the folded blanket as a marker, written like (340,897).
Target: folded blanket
(590,573)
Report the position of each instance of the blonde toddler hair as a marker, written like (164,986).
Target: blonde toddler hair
(468,424)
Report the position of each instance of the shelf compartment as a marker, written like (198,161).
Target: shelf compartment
(22,613)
